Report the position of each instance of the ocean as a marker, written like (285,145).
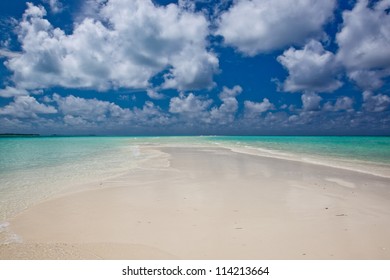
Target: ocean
(35,168)
(363,149)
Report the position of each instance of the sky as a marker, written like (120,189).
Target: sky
(223,67)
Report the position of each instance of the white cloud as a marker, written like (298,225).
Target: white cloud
(253,109)
(230,92)
(187,4)
(12,124)
(226,112)
(12,92)
(92,113)
(311,69)
(364,43)
(90,109)
(154,94)
(128,43)
(311,101)
(367,79)
(150,115)
(26,107)
(344,103)
(55,6)
(260,26)
(197,108)
(34,11)
(7,53)
(375,103)
(75,121)
(192,70)
(190,106)
(89,9)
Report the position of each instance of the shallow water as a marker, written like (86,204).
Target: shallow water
(32,169)
(362,148)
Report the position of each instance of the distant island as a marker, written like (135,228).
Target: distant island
(44,135)
(18,135)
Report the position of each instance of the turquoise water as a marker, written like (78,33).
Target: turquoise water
(360,148)
(21,154)
(40,152)
(32,169)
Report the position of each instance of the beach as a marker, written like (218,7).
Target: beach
(210,202)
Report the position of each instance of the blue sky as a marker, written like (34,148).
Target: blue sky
(250,67)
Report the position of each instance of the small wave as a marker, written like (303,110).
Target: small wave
(13,238)
(3,226)
(6,236)
(135,151)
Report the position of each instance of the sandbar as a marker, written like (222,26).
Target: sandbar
(212,203)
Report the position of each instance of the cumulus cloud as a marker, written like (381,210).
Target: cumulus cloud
(364,43)
(311,101)
(90,109)
(12,124)
(26,107)
(92,113)
(151,115)
(190,106)
(258,26)
(187,4)
(226,112)
(253,109)
(375,103)
(55,6)
(230,92)
(75,121)
(344,103)
(12,92)
(311,69)
(154,94)
(127,44)
(368,79)
(7,53)
(89,9)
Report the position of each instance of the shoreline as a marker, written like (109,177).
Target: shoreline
(212,203)
(379,170)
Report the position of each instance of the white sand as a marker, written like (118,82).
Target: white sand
(212,203)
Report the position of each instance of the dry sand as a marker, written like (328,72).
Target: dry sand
(212,203)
